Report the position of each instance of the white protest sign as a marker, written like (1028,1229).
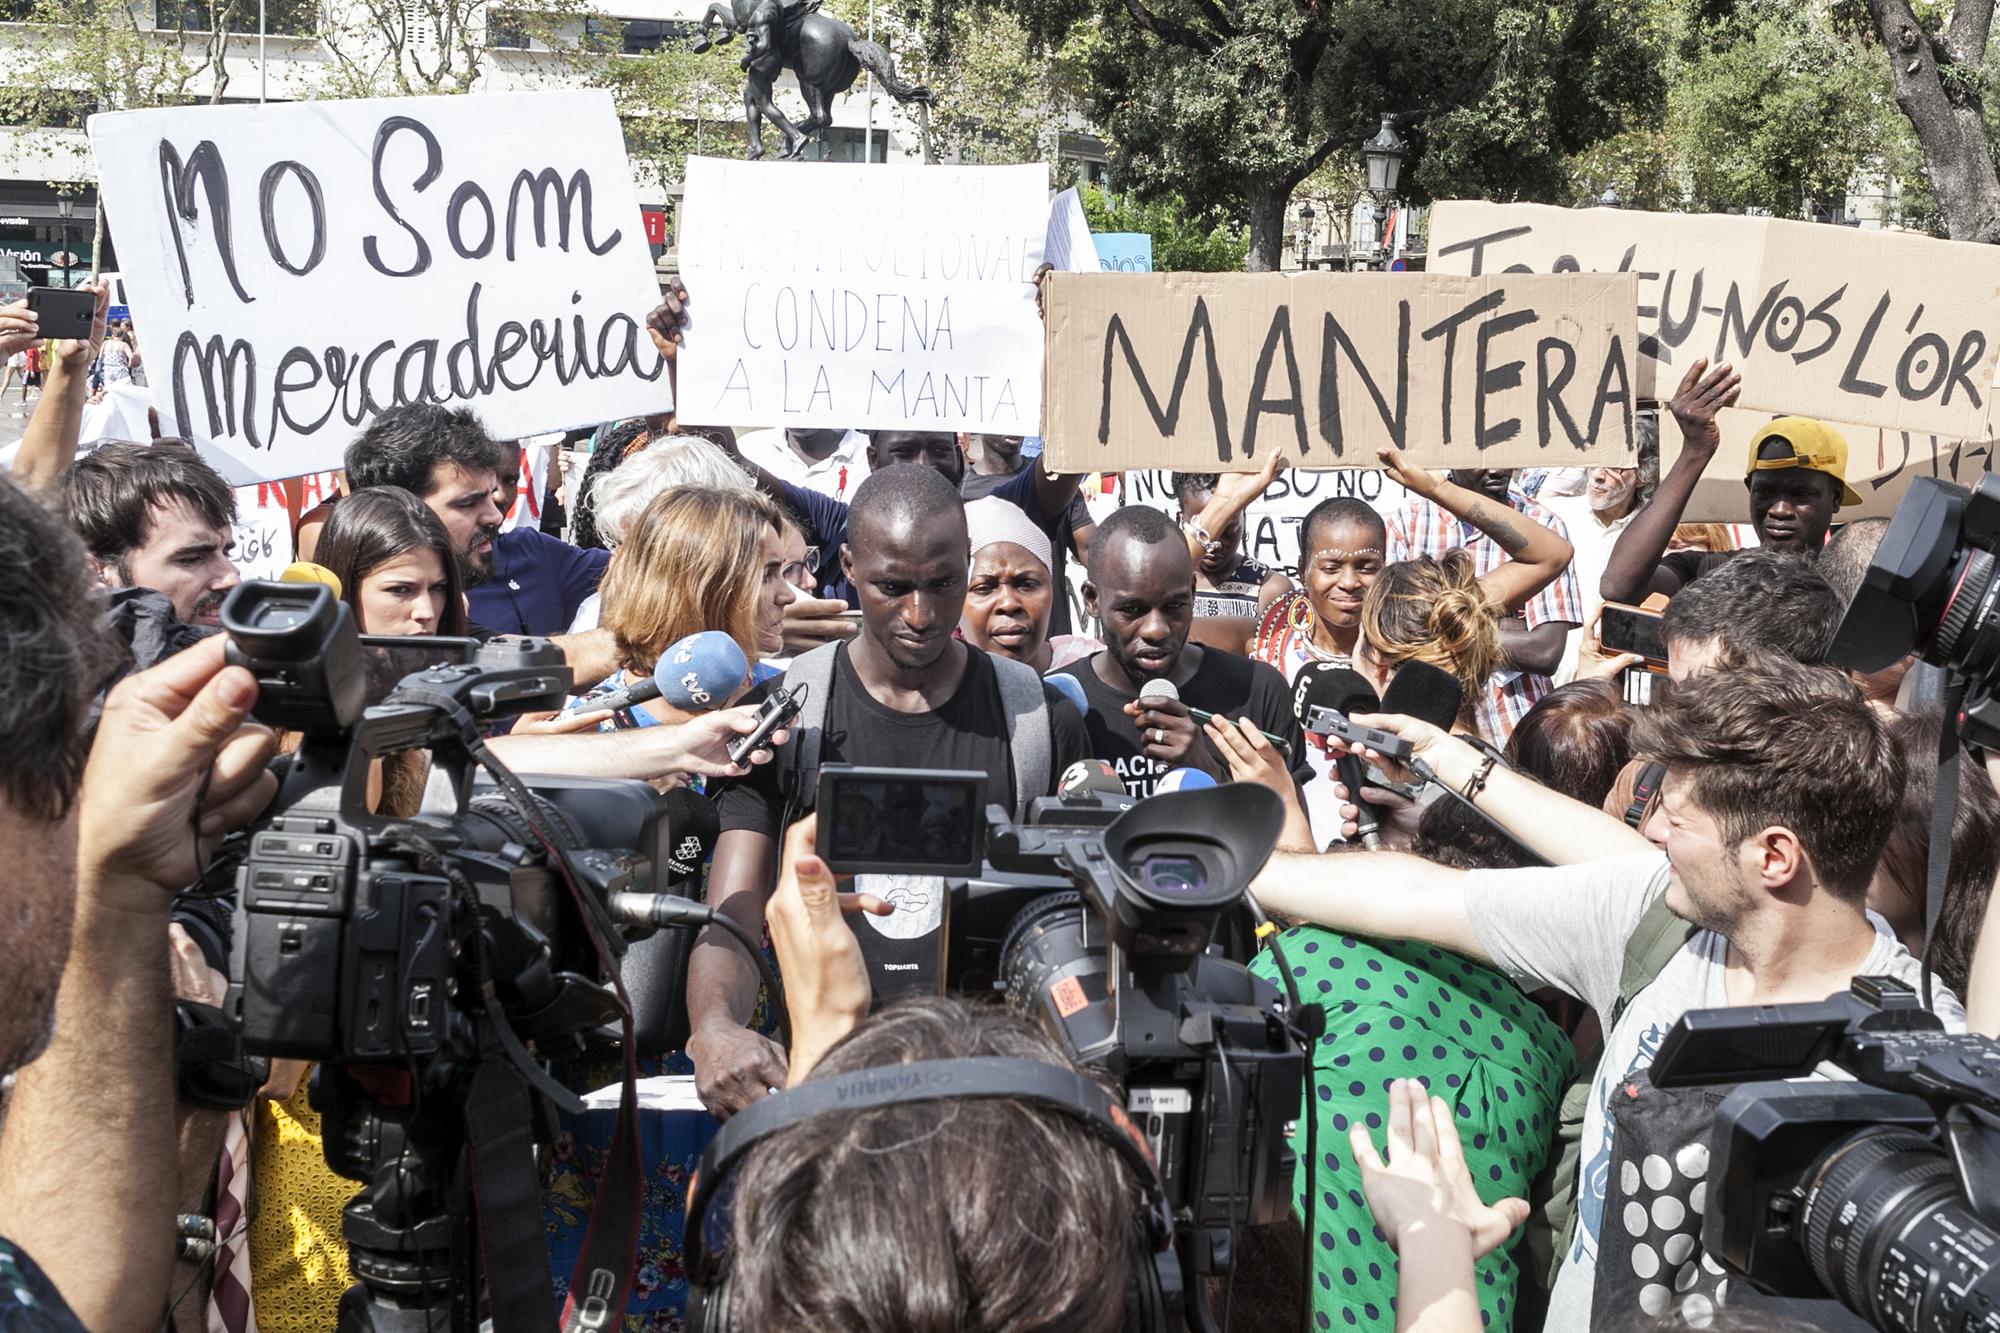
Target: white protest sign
(863,297)
(265,523)
(304,267)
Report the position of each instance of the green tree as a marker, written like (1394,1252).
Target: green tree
(1239,101)
(1183,241)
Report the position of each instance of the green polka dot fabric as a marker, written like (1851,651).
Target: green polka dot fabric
(1397,1010)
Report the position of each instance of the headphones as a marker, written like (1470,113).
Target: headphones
(1645,791)
(1153,1298)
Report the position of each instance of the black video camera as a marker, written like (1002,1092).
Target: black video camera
(429,963)
(1114,924)
(1883,1194)
(1930,590)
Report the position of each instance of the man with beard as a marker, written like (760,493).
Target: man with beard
(1612,497)
(1796,475)
(94,853)
(1532,640)
(444,457)
(1141,590)
(156,521)
(536,582)
(904,693)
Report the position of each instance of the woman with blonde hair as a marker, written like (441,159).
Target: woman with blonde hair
(1432,609)
(697,558)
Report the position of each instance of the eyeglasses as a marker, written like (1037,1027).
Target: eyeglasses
(800,573)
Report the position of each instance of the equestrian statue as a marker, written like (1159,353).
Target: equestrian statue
(825,54)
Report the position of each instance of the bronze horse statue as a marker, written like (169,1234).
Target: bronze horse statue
(825,54)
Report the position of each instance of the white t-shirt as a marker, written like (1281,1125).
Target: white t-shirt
(117,361)
(1566,927)
(838,475)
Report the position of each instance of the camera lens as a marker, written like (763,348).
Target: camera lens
(1881,1214)
(1171,876)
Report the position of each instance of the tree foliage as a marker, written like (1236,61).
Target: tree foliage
(1183,240)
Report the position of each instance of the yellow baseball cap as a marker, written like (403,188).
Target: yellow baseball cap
(1815,445)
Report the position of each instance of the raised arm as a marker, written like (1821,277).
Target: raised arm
(1633,570)
(1536,556)
(649,754)
(1234,492)
(49,445)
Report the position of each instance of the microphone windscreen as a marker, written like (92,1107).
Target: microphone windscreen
(693,822)
(1070,688)
(1324,685)
(1184,779)
(1423,691)
(1087,775)
(700,672)
(1160,688)
(305,571)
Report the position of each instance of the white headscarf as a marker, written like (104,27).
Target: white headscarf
(993,519)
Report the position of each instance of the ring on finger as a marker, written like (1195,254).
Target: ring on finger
(1158,735)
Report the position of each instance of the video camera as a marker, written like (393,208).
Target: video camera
(419,959)
(1096,917)
(1930,590)
(1883,1194)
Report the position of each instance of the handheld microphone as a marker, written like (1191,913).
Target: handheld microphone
(1423,691)
(1162,688)
(1184,779)
(305,571)
(695,674)
(1070,688)
(1090,775)
(693,824)
(1344,691)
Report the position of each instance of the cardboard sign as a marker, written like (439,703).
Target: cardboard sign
(1879,328)
(863,297)
(303,267)
(1881,464)
(1203,372)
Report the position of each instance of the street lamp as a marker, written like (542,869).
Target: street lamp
(65,209)
(1306,216)
(1383,157)
(1610,199)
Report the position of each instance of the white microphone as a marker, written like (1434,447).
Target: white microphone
(1159,688)
(1162,688)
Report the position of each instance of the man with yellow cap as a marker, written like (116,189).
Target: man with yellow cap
(1796,472)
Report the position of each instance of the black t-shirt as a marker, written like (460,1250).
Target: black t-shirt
(904,951)
(29,1302)
(1688,566)
(1224,684)
(969,731)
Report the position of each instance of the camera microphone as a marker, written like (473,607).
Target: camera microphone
(1347,692)
(695,674)
(1089,775)
(1162,688)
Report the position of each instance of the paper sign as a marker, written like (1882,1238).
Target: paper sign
(266,519)
(1125,251)
(536,459)
(1881,464)
(302,267)
(862,297)
(1070,246)
(1274,522)
(1207,371)
(1880,328)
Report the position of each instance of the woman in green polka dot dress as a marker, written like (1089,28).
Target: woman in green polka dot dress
(1396,1010)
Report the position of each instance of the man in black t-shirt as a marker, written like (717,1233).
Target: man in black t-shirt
(1796,476)
(1141,589)
(903,694)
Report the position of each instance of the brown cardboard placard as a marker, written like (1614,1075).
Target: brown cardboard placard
(1886,329)
(1881,464)
(1206,372)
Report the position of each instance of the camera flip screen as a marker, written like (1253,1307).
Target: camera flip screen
(892,820)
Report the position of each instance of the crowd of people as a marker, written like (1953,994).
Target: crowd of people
(1625,840)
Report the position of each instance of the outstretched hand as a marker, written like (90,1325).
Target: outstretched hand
(1425,1186)
(1703,393)
(826,980)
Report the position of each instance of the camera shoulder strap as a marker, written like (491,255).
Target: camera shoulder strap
(1030,735)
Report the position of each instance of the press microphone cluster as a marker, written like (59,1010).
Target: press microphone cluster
(1344,691)
(1164,689)
(694,675)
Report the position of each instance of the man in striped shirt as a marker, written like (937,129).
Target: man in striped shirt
(1532,638)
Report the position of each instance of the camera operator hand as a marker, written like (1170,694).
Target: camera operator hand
(175,766)
(1425,1186)
(826,981)
(1169,735)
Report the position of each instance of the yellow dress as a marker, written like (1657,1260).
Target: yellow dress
(298,1258)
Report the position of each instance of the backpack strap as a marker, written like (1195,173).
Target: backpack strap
(1030,734)
(798,759)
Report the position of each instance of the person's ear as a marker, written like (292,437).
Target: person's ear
(104,572)
(1777,859)
(847,561)
(1090,600)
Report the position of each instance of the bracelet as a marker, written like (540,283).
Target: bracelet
(1477,782)
(1193,528)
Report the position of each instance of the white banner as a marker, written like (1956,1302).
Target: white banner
(863,297)
(300,268)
